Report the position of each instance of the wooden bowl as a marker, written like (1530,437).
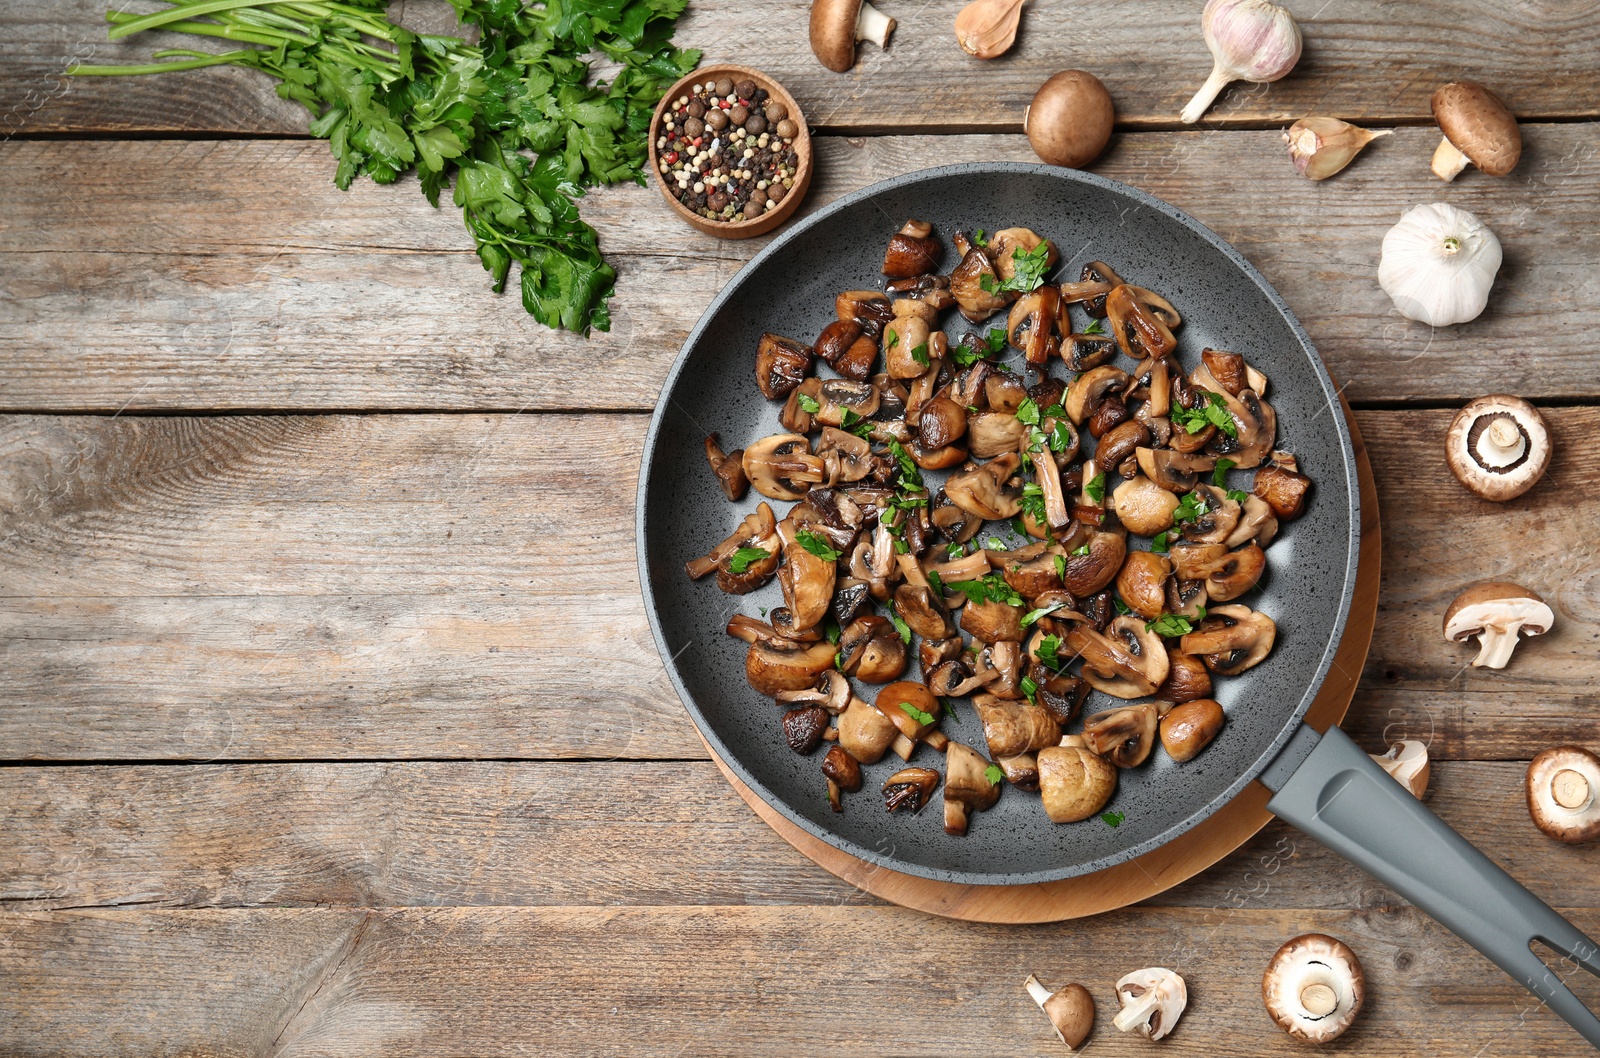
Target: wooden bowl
(750,227)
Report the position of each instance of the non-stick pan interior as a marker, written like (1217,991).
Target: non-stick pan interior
(789,290)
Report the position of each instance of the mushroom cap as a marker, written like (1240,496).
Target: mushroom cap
(1069,121)
(1564,793)
(1314,987)
(1498,611)
(836,25)
(1070,1010)
(1478,125)
(1480,457)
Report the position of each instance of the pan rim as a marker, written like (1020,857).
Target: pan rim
(1331,395)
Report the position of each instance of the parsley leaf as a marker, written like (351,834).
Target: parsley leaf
(1237,495)
(920,354)
(1112,819)
(1048,651)
(994,543)
(1219,473)
(1191,507)
(1030,689)
(991,587)
(1060,436)
(1159,542)
(817,544)
(830,629)
(1028,412)
(1043,611)
(1122,607)
(1095,327)
(1213,413)
(810,406)
(978,238)
(1170,626)
(745,556)
(994,774)
(996,339)
(1029,270)
(1081,551)
(894,340)
(900,624)
(1096,489)
(935,582)
(916,714)
(910,479)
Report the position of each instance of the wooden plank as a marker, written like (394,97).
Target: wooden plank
(477,833)
(746,981)
(1360,62)
(232,275)
(464,586)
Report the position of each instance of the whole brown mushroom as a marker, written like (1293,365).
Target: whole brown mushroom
(1069,121)
(1478,130)
(836,25)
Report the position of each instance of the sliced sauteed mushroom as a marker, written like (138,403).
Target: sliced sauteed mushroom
(1070,1010)
(1139,330)
(865,732)
(986,489)
(1313,988)
(830,692)
(1143,583)
(1152,1001)
(1075,783)
(781,365)
(747,558)
(1231,639)
(781,467)
(843,773)
(872,651)
(1126,661)
(808,574)
(969,786)
(728,467)
(1564,793)
(774,664)
(909,788)
(1190,727)
(912,707)
(1123,736)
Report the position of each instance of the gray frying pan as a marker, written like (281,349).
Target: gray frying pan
(1325,786)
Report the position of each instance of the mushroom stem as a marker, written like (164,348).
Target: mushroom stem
(1037,990)
(1136,1013)
(955,817)
(1207,95)
(874,25)
(1571,791)
(1319,1000)
(1496,645)
(1448,162)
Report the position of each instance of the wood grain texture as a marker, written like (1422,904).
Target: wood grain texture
(658,833)
(1362,60)
(713,981)
(464,586)
(158,276)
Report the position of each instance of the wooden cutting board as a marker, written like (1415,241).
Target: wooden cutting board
(1156,871)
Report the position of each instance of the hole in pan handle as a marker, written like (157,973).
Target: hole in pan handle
(1328,788)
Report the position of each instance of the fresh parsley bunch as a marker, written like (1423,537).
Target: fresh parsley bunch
(465,116)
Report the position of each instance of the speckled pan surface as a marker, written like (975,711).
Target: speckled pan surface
(789,289)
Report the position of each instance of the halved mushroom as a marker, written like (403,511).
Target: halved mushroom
(869,308)
(1407,763)
(1118,445)
(942,422)
(1142,583)
(992,621)
(1218,516)
(1497,612)
(921,607)
(806,579)
(986,490)
(1124,736)
(1173,470)
(1313,988)
(872,651)
(1015,725)
(782,467)
(1088,573)
(1074,782)
(830,692)
(843,773)
(1126,661)
(1021,771)
(1004,391)
(1139,330)
(781,365)
(932,653)
(1152,1001)
(1189,728)
(968,282)
(909,788)
(1187,598)
(1188,679)
(1282,486)
(782,621)
(1034,324)
(905,347)
(1227,368)
(1231,639)
(968,787)
(845,346)
(1235,573)
(1070,1010)
(728,467)
(757,532)
(1255,423)
(1086,392)
(934,291)
(1564,793)
(913,251)
(774,664)
(865,732)
(837,396)
(913,709)
(1143,506)
(1032,570)
(1080,352)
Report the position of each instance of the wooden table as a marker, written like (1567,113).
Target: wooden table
(332,722)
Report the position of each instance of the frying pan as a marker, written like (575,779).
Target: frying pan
(1324,785)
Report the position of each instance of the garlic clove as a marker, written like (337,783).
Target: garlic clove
(986,29)
(1250,40)
(1320,147)
(1438,265)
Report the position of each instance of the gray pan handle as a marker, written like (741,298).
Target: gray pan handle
(1331,790)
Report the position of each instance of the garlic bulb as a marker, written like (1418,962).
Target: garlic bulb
(1438,265)
(1250,40)
(1320,147)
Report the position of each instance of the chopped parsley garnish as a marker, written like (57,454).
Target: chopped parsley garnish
(994,543)
(1079,552)
(1096,489)
(920,354)
(1112,819)
(954,549)
(935,581)
(1060,436)
(1237,495)
(949,709)
(1020,526)
(991,587)
(901,627)
(1190,507)
(1219,473)
(1032,501)
(996,339)
(1170,626)
(1122,607)
(1028,273)
(830,629)
(1043,611)
(1028,412)
(910,479)
(743,557)
(1061,566)
(817,544)
(894,340)
(810,406)
(1159,542)
(1095,327)
(916,714)
(993,774)
(1049,652)
(1030,690)
(979,239)
(1213,413)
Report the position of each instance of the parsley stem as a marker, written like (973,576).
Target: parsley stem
(227,31)
(155,67)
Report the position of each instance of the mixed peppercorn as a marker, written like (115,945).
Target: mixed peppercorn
(727,150)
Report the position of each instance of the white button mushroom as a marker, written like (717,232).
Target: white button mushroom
(1564,793)
(1152,1000)
(1407,762)
(1498,446)
(1070,1010)
(1313,988)
(1496,612)
(1438,265)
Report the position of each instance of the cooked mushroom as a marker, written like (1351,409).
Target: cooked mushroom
(1013,726)
(782,467)
(1231,639)
(846,347)
(1034,325)
(1313,988)
(1564,793)
(1282,486)
(781,365)
(1496,612)
(1086,574)
(1407,763)
(831,692)
(1007,244)
(774,664)
(803,727)
(1127,661)
(1216,518)
(1070,1010)
(1190,727)
(1118,445)
(974,284)
(1021,771)
(869,308)
(739,567)
(1478,129)
(728,467)
(1143,506)
(913,251)
(968,786)
(1152,1001)
(913,709)
(909,788)
(1069,121)
(905,344)
(806,578)
(872,651)
(865,732)
(1174,471)
(990,433)
(1143,582)
(843,772)
(1123,736)
(1032,570)
(1256,523)
(1138,329)
(1074,782)
(1498,447)
(986,490)
(1086,392)
(836,25)
(1080,352)
(1232,573)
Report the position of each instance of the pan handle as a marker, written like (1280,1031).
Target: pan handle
(1335,793)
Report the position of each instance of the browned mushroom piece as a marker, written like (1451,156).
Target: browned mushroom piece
(846,347)
(1186,598)
(782,621)
(803,728)
(843,773)
(906,348)
(1142,584)
(1255,424)
(781,365)
(1074,782)
(774,664)
(942,422)
(830,692)
(933,291)
(1008,245)
(1081,352)
(1094,282)
(781,467)
(869,308)
(1227,368)
(968,786)
(912,707)
(1280,483)
(1087,574)
(728,467)
(872,651)
(1090,390)
(1173,470)
(806,578)
(1188,679)
(1015,725)
(1118,446)
(986,489)
(921,608)
(933,653)
(739,567)
(1004,392)
(1061,693)
(1032,570)
(1189,728)
(1231,639)
(913,251)
(1021,771)
(1126,661)
(865,732)
(1035,323)
(1227,574)
(1217,515)
(1124,736)
(1143,506)
(954,523)
(909,788)
(1256,523)
(1139,330)
(992,621)
(975,284)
